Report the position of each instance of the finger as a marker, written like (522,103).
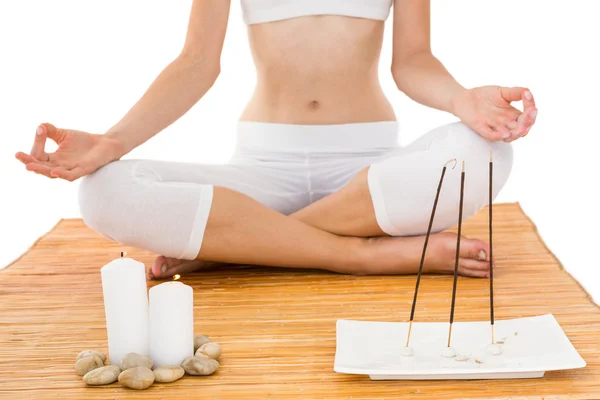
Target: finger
(504,132)
(526,121)
(53,132)
(528,100)
(491,134)
(39,169)
(56,160)
(25,158)
(511,94)
(511,113)
(532,114)
(37,150)
(67,174)
(506,123)
(513,138)
(512,125)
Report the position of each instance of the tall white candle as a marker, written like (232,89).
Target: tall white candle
(126,307)
(171,323)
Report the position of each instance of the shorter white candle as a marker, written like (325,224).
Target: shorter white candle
(171,323)
(126,307)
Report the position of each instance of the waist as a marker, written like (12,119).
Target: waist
(348,102)
(356,137)
(317,70)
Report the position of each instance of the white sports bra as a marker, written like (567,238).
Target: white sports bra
(259,11)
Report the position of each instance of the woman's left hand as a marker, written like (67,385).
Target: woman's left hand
(487,110)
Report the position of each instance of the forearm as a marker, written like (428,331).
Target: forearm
(176,89)
(423,78)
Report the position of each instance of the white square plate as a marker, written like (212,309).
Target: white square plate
(531,346)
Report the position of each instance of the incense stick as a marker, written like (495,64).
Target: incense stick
(460,210)
(490,255)
(437,196)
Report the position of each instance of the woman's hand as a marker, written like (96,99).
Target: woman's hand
(487,110)
(78,154)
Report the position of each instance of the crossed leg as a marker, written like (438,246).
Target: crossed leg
(350,221)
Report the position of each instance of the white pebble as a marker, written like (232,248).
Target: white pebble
(407,351)
(449,352)
(210,349)
(493,349)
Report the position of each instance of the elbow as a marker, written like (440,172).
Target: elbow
(402,64)
(398,75)
(399,68)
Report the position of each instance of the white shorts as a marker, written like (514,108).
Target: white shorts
(163,207)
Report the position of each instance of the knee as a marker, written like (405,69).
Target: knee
(403,203)
(469,145)
(474,150)
(103,197)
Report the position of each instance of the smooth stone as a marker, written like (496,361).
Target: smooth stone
(212,350)
(137,378)
(199,340)
(449,352)
(87,364)
(86,353)
(493,349)
(132,360)
(461,357)
(168,373)
(102,376)
(200,365)
(407,351)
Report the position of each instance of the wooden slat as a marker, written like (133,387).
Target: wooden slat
(277,326)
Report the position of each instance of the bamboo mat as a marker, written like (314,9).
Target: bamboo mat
(277,326)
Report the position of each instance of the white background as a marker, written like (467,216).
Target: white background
(82,65)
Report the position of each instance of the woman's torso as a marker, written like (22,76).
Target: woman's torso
(317,70)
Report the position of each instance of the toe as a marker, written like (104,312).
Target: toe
(474,268)
(160,267)
(149,274)
(165,267)
(474,249)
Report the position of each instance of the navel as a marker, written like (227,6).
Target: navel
(314,105)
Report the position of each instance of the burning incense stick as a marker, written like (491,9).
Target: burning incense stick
(460,210)
(490,255)
(437,195)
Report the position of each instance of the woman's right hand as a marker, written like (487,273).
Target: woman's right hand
(78,154)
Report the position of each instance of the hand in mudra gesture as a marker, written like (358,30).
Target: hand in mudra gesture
(78,154)
(488,111)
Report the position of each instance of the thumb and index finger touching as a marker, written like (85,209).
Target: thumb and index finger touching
(511,94)
(527,117)
(38,152)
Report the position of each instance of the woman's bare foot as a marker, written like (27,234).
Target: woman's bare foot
(383,256)
(402,255)
(165,267)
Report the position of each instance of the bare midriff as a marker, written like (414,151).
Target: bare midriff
(317,70)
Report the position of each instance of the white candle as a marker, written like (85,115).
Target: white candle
(171,323)
(126,307)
